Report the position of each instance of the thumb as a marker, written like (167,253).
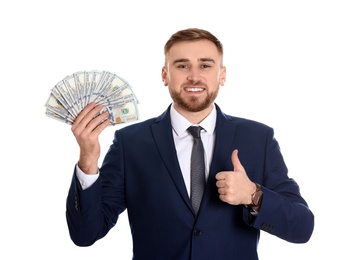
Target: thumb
(237,166)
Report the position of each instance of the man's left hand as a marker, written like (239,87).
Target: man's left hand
(234,187)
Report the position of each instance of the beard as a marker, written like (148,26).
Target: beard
(193,104)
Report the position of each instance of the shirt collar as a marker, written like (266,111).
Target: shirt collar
(180,124)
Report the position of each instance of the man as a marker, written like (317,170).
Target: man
(147,171)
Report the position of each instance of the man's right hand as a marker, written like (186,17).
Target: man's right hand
(86,129)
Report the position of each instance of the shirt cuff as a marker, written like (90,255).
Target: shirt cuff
(86,180)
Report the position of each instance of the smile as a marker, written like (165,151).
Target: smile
(194,89)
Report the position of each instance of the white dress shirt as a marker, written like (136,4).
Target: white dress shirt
(183,143)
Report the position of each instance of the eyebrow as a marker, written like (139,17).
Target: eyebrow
(200,59)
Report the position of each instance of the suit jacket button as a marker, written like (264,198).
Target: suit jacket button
(76,203)
(197,232)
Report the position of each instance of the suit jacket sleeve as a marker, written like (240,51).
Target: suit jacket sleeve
(283,213)
(92,212)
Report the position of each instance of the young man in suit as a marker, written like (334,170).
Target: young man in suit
(147,171)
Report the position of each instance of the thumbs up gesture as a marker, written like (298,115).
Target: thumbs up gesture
(234,187)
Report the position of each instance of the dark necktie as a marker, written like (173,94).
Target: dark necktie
(198,179)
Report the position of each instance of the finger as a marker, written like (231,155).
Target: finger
(86,117)
(102,125)
(221,176)
(92,114)
(220,184)
(235,161)
(221,191)
(98,123)
(83,113)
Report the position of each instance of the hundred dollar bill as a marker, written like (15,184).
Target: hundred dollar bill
(56,107)
(73,93)
(115,94)
(56,116)
(124,111)
(79,85)
(116,84)
(99,85)
(63,95)
(70,86)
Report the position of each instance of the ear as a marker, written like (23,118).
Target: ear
(164,76)
(222,76)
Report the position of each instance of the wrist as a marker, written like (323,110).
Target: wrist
(88,168)
(256,198)
(88,163)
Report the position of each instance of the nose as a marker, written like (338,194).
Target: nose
(194,75)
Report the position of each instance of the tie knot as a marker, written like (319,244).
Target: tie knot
(195,131)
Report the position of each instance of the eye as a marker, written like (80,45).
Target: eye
(182,66)
(205,66)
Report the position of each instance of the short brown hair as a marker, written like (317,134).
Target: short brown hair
(192,34)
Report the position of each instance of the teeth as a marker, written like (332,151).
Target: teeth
(194,89)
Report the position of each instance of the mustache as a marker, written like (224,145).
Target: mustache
(193,83)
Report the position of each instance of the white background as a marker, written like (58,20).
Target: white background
(290,64)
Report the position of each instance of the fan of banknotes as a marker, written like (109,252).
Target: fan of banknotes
(70,95)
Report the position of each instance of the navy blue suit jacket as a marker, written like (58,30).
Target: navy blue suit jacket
(141,173)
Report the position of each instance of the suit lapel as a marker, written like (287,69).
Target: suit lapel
(225,131)
(224,146)
(162,133)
